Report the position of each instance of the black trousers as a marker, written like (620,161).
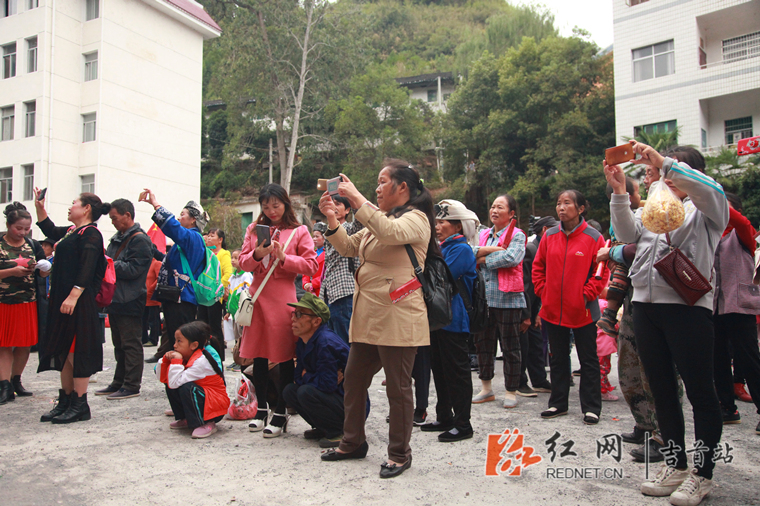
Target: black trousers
(151,322)
(740,332)
(261,382)
(671,336)
(176,314)
(450,361)
(532,355)
(126,333)
(213,316)
(591,386)
(188,402)
(319,409)
(421,375)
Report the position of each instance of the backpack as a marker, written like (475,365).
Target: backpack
(438,288)
(208,287)
(477,308)
(104,296)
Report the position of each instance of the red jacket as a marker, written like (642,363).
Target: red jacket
(563,274)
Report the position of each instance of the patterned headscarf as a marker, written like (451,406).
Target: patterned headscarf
(196,211)
(454,210)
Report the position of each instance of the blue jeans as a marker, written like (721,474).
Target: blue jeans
(340,316)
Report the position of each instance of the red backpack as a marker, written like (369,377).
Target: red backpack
(108,285)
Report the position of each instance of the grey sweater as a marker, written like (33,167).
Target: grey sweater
(706,218)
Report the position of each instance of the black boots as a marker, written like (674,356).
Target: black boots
(19,388)
(6,392)
(60,408)
(78,410)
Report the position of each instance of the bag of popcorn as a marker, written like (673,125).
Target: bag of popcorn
(663,211)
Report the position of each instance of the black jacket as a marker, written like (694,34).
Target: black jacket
(132,266)
(532,302)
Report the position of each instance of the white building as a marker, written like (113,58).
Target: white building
(434,89)
(690,64)
(101,96)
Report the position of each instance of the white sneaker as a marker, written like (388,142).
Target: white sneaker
(666,482)
(510,400)
(691,491)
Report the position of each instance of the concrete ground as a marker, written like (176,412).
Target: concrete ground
(127,455)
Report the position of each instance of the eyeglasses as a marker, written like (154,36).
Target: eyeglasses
(299,314)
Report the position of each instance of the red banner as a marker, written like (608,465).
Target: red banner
(748,146)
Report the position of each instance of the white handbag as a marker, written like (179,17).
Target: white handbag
(245,309)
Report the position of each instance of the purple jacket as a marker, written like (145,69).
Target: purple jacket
(734,268)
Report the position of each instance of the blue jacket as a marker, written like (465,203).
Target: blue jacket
(193,246)
(322,357)
(461,261)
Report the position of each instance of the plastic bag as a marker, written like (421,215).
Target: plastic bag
(244,406)
(663,211)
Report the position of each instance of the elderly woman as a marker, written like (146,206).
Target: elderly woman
(455,227)
(384,334)
(186,233)
(73,341)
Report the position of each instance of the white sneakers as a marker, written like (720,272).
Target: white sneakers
(692,490)
(482,397)
(685,488)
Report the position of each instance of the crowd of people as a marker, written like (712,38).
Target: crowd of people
(556,286)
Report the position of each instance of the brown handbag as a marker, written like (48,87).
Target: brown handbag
(242,362)
(682,275)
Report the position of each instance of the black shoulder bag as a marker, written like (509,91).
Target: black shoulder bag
(438,288)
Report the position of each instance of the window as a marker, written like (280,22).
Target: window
(7,7)
(704,138)
(29,124)
(9,60)
(432,95)
(31,54)
(741,48)
(738,129)
(28,171)
(6,130)
(92,10)
(654,61)
(656,128)
(32,4)
(88,130)
(88,183)
(6,185)
(91,66)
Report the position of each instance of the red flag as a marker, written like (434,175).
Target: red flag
(749,146)
(158,238)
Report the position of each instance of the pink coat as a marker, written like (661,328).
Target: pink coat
(270,335)
(510,278)
(605,344)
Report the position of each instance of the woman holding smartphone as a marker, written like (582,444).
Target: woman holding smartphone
(384,334)
(270,337)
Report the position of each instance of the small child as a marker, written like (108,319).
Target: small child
(606,345)
(239,282)
(194,380)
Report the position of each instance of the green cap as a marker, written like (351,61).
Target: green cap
(315,304)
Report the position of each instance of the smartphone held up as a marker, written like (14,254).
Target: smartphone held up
(619,154)
(329,185)
(263,235)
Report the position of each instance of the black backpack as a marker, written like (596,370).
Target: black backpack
(438,288)
(477,308)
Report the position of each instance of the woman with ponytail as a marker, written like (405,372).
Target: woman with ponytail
(194,380)
(73,343)
(384,334)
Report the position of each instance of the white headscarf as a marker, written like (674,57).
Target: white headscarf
(450,209)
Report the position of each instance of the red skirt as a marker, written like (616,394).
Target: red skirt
(18,325)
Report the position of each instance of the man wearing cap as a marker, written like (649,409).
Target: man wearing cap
(174,287)
(321,357)
(531,339)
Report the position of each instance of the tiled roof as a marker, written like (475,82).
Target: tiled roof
(424,78)
(195,10)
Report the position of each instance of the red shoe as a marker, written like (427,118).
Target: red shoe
(740,393)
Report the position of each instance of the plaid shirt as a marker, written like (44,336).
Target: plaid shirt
(510,257)
(337,276)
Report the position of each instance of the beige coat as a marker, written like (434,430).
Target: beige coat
(385,266)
